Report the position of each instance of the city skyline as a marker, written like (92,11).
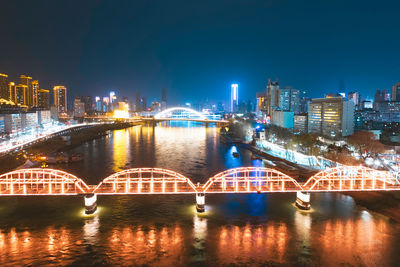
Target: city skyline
(191,59)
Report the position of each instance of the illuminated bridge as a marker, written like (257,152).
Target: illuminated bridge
(185,114)
(150,181)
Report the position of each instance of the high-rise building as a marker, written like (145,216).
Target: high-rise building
(282,118)
(333,117)
(396,92)
(290,100)
(21,94)
(106,104)
(11,91)
(44,99)
(98,104)
(234,97)
(300,123)
(60,98)
(273,96)
(27,81)
(88,103)
(4,93)
(355,97)
(261,106)
(79,108)
(35,92)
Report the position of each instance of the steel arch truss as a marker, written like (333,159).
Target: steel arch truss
(39,181)
(146,181)
(180,113)
(351,178)
(249,180)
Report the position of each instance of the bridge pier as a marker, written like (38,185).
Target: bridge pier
(303,200)
(90,203)
(200,202)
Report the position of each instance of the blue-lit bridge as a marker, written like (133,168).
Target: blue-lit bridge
(150,181)
(185,114)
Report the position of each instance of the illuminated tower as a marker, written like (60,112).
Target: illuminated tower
(11,91)
(60,98)
(43,99)
(35,92)
(27,81)
(4,92)
(234,97)
(21,94)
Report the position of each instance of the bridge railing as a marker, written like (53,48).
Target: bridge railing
(251,179)
(351,178)
(146,181)
(38,181)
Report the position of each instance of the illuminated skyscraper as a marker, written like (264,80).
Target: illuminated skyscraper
(332,117)
(234,97)
(98,104)
(43,99)
(11,91)
(4,92)
(112,97)
(396,92)
(21,95)
(273,96)
(35,92)
(290,99)
(60,98)
(27,81)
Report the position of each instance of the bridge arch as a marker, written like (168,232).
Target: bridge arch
(249,180)
(180,113)
(145,181)
(351,178)
(38,181)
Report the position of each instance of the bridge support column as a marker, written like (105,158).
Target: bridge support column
(303,200)
(200,202)
(90,203)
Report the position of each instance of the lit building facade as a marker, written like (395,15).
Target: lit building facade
(35,93)
(29,95)
(282,118)
(273,96)
(396,92)
(234,97)
(21,95)
(60,98)
(44,99)
(300,124)
(79,108)
(333,117)
(4,92)
(290,100)
(261,103)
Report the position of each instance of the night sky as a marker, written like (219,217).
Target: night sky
(196,49)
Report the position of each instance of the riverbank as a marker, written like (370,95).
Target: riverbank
(56,144)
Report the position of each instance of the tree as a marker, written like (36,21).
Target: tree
(365,144)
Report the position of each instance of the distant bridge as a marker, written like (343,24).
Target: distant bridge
(184,114)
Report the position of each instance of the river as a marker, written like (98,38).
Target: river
(236,229)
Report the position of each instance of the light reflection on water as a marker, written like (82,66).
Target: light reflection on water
(241,229)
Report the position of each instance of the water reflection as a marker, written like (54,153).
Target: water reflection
(147,245)
(253,243)
(121,149)
(91,229)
